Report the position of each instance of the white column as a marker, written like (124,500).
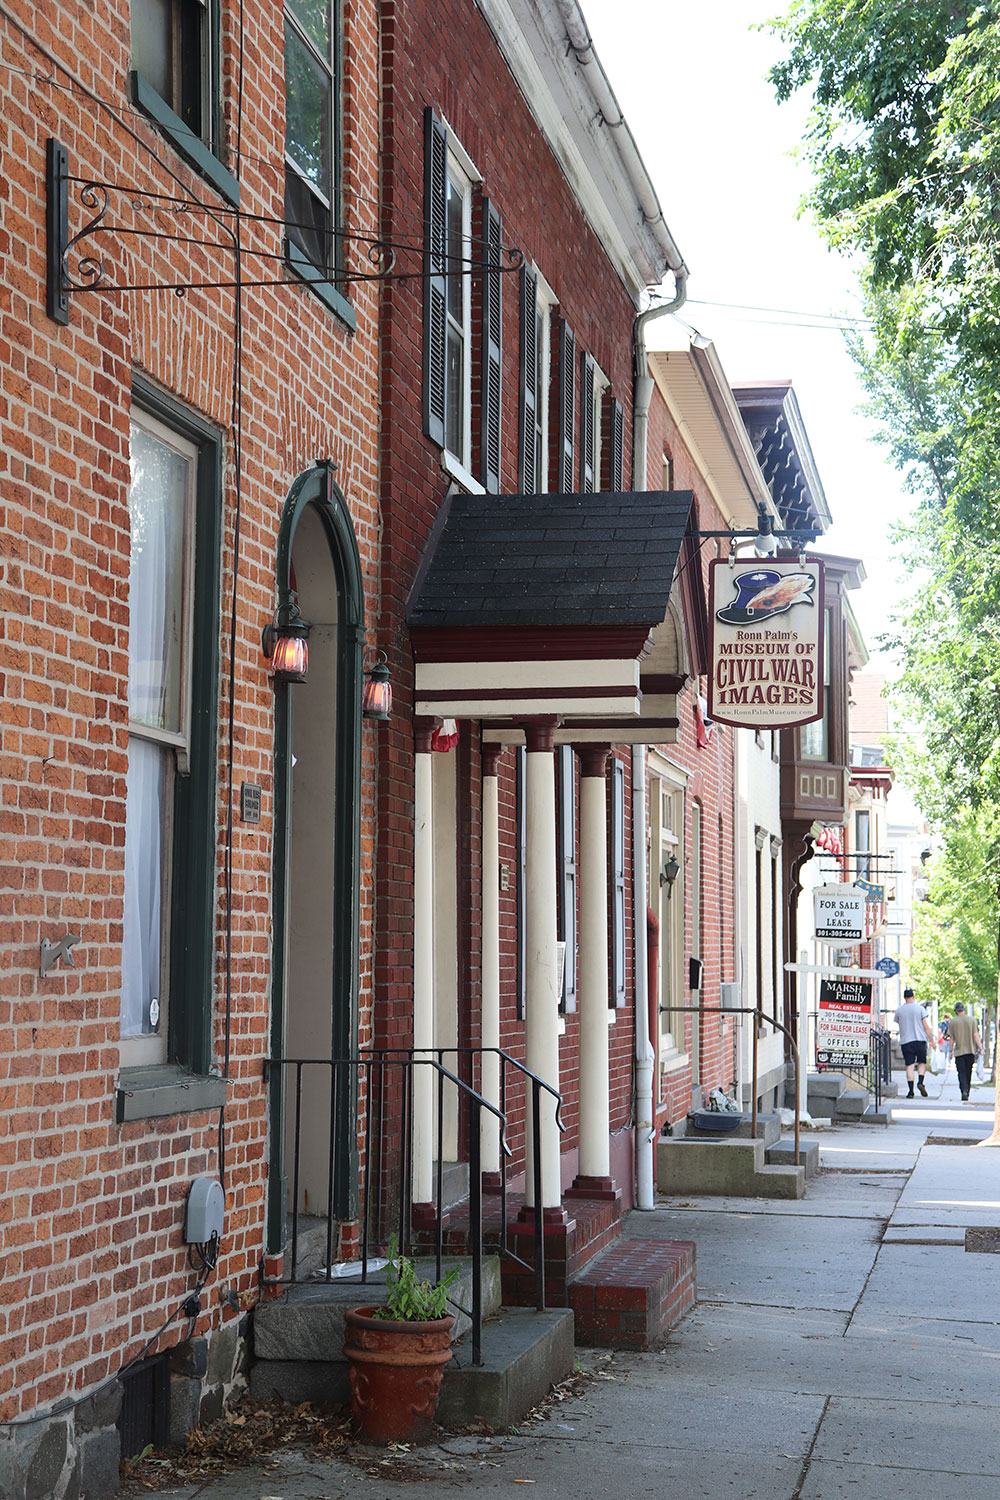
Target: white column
(541,1001)
(423,969)
(490,975)
(595,1117)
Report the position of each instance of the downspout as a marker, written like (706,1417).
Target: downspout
(645,1128)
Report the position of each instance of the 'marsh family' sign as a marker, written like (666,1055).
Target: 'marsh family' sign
(767,642)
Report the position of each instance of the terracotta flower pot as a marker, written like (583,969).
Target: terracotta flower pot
(396,1371)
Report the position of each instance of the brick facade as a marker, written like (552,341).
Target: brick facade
(93,1258)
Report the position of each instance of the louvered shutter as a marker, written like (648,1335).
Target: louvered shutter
(614,445)
(491,338)
(588,482)
(435,263)
(567,405)
(529,393)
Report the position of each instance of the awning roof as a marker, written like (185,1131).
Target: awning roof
(545,604)
(574,560)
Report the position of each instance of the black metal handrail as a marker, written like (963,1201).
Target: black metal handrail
(375,1068)
(879,1062)
(537,1086)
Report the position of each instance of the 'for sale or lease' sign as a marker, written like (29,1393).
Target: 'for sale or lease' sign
(767,642)
(840,913)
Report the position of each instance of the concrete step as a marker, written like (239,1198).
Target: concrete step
(852,1104)
(524,1354)
(782,1154)
(726,1168)
(633,1293)
(768,1128)
(298,1335)
(827,1085)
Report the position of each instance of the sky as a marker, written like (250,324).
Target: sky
(691,81)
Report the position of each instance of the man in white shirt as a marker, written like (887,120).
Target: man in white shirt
(914,1035)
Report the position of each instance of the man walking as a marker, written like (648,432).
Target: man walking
(963,1038)
(914,1034)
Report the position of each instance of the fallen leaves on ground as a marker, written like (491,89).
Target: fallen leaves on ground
(249,1433)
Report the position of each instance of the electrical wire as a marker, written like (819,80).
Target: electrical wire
(209,1258)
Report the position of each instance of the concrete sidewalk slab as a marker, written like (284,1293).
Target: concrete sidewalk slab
(914,1436)
(837,1480)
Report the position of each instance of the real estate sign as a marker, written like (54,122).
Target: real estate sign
(767,642)
(840,913)
(844,1022)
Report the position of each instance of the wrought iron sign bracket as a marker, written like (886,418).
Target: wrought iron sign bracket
(91,274)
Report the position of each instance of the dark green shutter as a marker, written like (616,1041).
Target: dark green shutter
(435,263)
(567,405)
(615,444)
(529,394)
(492,330)
(588,480)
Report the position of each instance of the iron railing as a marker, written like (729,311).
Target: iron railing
(879,1063)
(317,1095)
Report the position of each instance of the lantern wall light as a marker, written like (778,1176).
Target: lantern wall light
(286,643)
(376,699)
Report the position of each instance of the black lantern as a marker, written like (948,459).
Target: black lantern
(669,873)
(376,700)
(286,644)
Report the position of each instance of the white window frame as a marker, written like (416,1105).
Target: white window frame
(461,178)
(546,302)
(666,797)
(151,1048)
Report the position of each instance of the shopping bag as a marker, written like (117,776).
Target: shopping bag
(980,1068)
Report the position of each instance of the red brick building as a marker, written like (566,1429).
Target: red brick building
(189,440)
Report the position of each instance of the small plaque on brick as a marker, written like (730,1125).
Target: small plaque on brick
(250,802)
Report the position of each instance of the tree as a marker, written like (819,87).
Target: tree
(905,150)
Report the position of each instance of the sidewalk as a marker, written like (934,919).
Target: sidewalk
(844,1347)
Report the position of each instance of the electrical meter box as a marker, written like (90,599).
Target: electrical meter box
(206,1210)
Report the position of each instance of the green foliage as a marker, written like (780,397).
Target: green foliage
(955,934)
(411,1300)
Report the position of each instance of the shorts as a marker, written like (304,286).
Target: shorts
(913,1052)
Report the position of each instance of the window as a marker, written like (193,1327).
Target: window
(815,737)
(537,302)
(312,147)
(613,447)
(460,258)
(666,898)
(170,783)
(862,845)
(566,820)
(617,883)
(175,79)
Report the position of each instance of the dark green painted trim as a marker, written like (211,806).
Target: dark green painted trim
(319,282)
(146,1093)
(317,487)
(201,157)
(192,926)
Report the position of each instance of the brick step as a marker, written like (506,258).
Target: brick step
(591,1226)
(633,1293)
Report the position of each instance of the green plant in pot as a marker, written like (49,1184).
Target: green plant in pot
(397,1354)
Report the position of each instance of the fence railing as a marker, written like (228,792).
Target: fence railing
(879,1063)
(372,1098)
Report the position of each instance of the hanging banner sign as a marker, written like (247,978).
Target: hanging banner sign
(843,1023)
(840,913)
(767,643)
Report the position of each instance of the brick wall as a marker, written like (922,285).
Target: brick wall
(92,1211)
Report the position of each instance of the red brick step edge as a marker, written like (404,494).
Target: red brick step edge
(632,1293)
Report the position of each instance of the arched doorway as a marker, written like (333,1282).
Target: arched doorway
(316,863)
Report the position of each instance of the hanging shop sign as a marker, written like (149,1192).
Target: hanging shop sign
(840,913)
(843,1022)
(767,643)
(888,966)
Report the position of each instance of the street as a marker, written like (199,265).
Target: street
(842,1346)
